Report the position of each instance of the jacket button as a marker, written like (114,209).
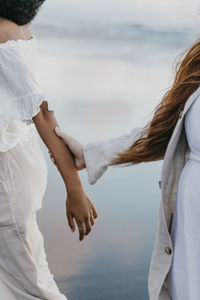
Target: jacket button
(180,114)
(168,250)
(160,184)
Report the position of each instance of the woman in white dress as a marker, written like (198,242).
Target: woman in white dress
(149,144)
(24,271)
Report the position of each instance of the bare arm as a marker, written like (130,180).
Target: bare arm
(97,156)
(45,123)
(78,205)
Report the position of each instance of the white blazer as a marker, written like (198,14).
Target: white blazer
(99,154)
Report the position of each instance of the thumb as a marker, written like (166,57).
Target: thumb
(73,144)
(61,134)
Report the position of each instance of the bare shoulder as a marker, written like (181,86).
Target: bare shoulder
(10,32)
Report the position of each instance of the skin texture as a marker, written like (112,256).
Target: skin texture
(75,147)
(10,31)
(79,207)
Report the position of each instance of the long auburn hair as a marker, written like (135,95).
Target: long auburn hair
(152,142)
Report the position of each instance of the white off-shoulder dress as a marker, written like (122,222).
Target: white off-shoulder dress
(24,271)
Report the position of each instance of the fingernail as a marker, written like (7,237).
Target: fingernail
(56,129)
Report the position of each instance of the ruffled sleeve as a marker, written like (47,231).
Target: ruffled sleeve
(20,96)
(98,155)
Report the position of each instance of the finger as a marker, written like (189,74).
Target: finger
(74,145)
(53,160)
(80,163)
(88,225)
(71,222)
(95,214)
(50,154)
(81,225)
(61,134)
(91,218)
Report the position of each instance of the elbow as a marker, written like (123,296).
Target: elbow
(44,110)
(44,107)
(44,114)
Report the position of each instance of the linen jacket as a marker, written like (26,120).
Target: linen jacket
(97,157)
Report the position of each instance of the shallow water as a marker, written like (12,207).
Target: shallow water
(104,82)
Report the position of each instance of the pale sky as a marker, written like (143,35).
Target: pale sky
(153,12)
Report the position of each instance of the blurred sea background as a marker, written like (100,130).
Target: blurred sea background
(105,65)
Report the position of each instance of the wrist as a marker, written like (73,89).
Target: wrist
(73,185)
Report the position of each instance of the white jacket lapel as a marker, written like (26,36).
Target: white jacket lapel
(174,140)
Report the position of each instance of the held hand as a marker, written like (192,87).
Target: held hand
(75,147)
(80,208)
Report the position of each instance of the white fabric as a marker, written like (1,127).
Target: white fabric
(6,292)
(24,271)
(184,276)
(98,155)
(175,159)
(20,97)
(23,265)
(13,133)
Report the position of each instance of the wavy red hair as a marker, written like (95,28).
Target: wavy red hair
(152,143)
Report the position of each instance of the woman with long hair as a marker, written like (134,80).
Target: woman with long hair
(24,271)
(173,135)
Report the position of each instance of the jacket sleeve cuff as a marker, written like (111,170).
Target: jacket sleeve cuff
(98,155)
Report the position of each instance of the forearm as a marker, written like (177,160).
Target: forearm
(45,123)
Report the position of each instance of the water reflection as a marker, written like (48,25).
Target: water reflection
(97,97)
(113,260)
